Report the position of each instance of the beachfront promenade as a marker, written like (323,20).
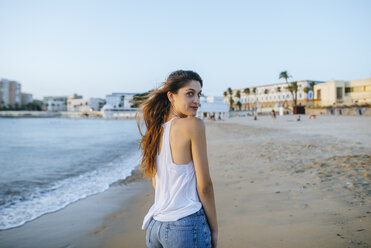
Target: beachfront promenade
(278,183)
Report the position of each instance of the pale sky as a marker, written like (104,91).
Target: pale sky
(94,48)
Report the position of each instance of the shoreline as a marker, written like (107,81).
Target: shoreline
(284,180)
(135,176)
(84,223)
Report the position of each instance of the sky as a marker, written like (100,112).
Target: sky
(94,48)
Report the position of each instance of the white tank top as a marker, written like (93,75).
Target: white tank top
(175,194)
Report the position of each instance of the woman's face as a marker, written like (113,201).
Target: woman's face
(187,100)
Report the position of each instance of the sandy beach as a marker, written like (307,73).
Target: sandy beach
(278,183)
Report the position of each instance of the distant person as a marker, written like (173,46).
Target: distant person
(255,115)
(312,117)
(360,111)
(273,113)
(183,214)
(298,118)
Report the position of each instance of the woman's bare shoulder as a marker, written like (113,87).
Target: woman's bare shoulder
(192,124)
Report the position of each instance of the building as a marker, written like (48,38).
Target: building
(118,105)
(78,105)
(55,103)
(84,105)
(10,93)
(212,106)
(267,97)
(343,93)
(96,104)
(119,101)
(26,98)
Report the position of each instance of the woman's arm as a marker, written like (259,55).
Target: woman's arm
(205,188)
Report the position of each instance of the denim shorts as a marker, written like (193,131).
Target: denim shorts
(190,231)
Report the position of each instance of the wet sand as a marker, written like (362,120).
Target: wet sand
(278,183)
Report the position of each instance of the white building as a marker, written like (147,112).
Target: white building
(118,105)
(212,106)
(119,101)
(96,104)
(340,92)
(85,105)
(78,105)
(55,103)
(10,93)
(272,96)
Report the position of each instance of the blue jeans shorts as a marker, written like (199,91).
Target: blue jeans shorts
(190,231)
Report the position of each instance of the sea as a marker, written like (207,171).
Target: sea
(48,163)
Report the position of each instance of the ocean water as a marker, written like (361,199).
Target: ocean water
(46,164)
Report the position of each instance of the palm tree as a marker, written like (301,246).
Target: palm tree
(311,85)
(306,90)
(256,99)
(293,88)
(310,88)
(239,105)
(238,96)
(284,75)
(231,101)
(247,92)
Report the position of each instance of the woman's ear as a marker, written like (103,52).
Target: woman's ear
(170,96)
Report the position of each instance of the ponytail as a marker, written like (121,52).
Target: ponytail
(155,111)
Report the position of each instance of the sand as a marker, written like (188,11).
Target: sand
(278,183)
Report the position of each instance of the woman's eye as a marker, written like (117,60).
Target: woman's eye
(191,94)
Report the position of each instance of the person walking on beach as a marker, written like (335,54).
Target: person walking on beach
(174,155)
(273,113)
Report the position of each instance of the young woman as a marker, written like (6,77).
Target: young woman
(174,155)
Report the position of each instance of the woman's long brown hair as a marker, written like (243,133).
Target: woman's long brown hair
(154,113)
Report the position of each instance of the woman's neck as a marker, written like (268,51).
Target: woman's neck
(172,115)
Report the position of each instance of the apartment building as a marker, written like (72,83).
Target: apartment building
(119,102)
(212,105)
(26,98)
(118,105)
(79,104)
(272,96)
(55,103)
(10,93)
(340,93)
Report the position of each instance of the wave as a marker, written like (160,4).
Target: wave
(64,192)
